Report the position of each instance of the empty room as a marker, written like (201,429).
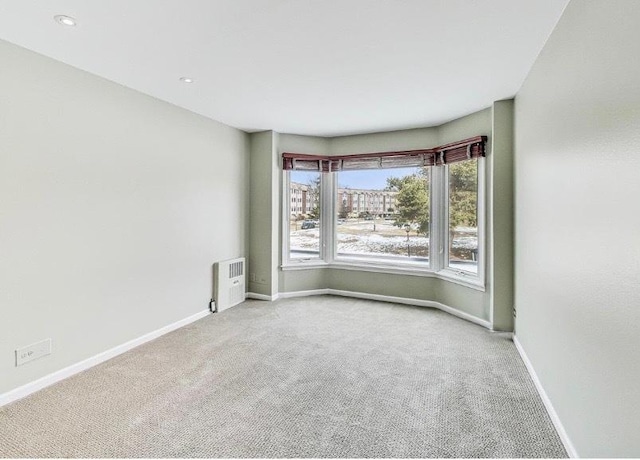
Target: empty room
(312,229)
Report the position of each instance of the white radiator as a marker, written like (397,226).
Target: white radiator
(229,283)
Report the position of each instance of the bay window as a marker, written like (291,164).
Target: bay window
(416,212)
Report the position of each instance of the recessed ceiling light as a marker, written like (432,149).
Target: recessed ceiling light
(186,80)
(65,20)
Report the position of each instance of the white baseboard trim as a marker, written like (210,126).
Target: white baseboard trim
(568,445)
(417,302)
(386,298)
(287,295)
(43,382)
(256,296)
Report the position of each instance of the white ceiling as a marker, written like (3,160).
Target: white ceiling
(318,67)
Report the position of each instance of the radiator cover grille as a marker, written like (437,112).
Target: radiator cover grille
(229,283)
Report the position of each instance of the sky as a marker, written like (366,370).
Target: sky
(369,179)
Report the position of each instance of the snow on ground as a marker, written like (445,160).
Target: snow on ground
(378,244)
(374,243)
(388,240)
(465,242)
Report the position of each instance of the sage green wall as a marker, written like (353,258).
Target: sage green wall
(409,139)
(500,214)
(264,206)
(577,223)
(475,124)
(383,284)
(114,206)
(459,297)
(302,144)
(303,280)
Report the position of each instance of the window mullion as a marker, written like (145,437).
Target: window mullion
(446,244)
(286,217)
(482,226)
(327,231)
(438,219)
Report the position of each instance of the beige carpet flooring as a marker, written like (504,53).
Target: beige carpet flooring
(309,377)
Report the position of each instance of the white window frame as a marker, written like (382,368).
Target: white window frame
(452,273)
(287,261)
(357,261)
(438,237)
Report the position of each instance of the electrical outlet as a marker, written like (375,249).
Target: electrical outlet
(252,277)
(33,351)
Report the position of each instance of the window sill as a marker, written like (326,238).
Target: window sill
(455,277)
(459,277)
(304,265)
(376,267)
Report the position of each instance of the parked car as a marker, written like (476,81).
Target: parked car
(308,224)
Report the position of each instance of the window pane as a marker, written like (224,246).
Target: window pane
(463,216)
(383,214)
(304,215)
